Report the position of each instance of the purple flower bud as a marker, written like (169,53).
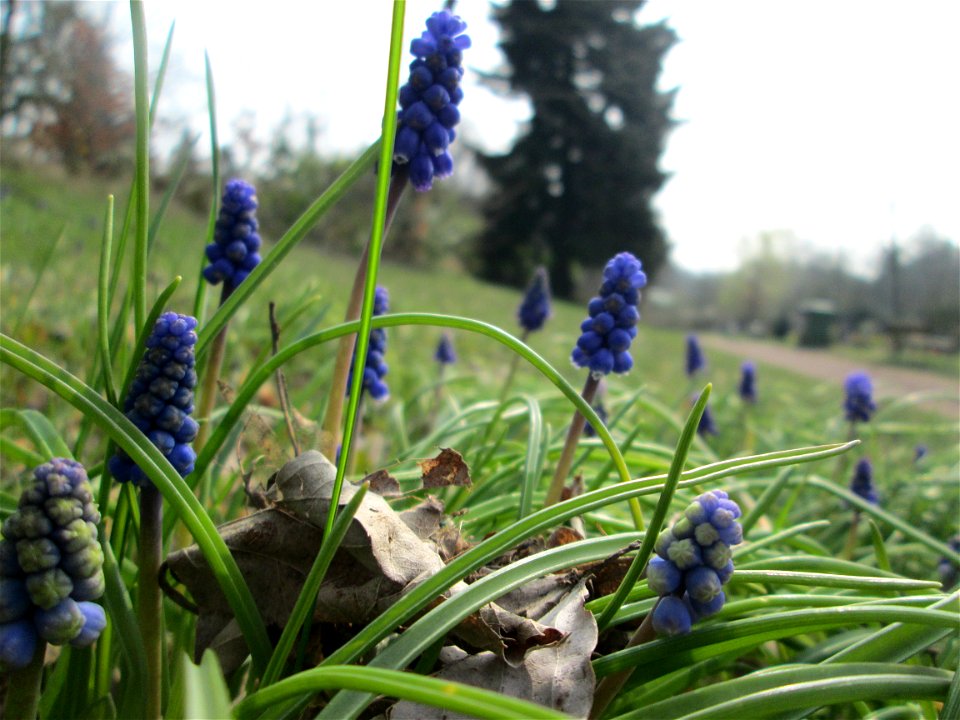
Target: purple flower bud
(18,642)
(235,239)
(858,403)
(695,359)
(671,616)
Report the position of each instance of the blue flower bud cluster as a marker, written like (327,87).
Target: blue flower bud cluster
(51,565)
(604,343)
(862,483)
(748,382)
(375,368)
(695,359)
(235,249)
(445,354)
(693,561)
(858,403)
(160,400)
(535,307)
(429,100)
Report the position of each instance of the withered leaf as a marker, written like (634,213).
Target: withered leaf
(563,536)
(447,468)
(383,484)
(558,676)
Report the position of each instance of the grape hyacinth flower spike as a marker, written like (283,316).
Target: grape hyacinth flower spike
(858,402)
(535,308)
(606,335)
(603,347)
(748,382)
(695,359)
(429,101)
(234,253)
(160,400)
(51,565)
(445,354)
(706,426)
(862,483)
(375,367)
(693,563)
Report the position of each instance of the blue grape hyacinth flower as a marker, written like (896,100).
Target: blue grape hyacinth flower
(429,101)
(375,368)
(862,483)
(160,400)
(234,252)
(535,308)
(445,354)
(748,382)
(707,425)
(604,343)
(693,562)
(695,358)
(858,402)
(51,565)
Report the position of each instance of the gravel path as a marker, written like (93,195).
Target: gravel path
(821,364)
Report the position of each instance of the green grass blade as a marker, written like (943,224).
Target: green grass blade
(161,473)
(385,165)
(200,298)
(660,514)
(664,655)
(124,622)
(878,513)
(951,708)
(452,696)
(40,431)
(11,450)
(205,691)
(103,305)
(311,586)
(766,500)
(897,642)
(717,700)
(537,438)
(294,235)
(142,190)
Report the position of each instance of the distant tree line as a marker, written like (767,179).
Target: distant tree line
(915,288)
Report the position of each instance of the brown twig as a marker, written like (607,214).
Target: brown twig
(282,382)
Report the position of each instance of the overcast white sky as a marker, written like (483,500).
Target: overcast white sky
(837,120)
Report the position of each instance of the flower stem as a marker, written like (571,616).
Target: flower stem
(333,418)
(210,376)
(570,444)
(611,685)
(150,605)
(508,383)
(851,544)
(23,687)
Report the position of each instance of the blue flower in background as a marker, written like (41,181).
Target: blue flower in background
(445,354)
(858,403)
(234,251)
(862,482)
(429,100)
(375,368)
(706,426)
(693,562)
(748,382)
(604,343)
(695,359)
(160,400)
(535,307)
(919,453)
(601,411)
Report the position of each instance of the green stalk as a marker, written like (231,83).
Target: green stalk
(333,417)
(570,444)
(387,197)
(208,395)
(23,687)
(143,160)
(150,601)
